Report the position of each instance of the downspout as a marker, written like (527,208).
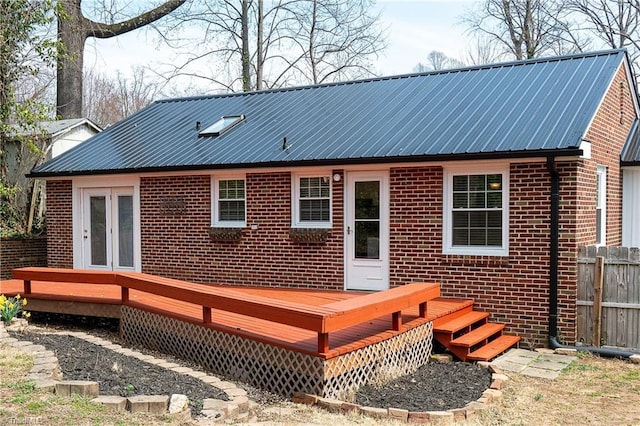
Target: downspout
(553,273)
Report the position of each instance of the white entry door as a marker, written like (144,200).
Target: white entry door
(108,229)
(367,231)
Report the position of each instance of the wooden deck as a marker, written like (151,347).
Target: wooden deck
(97,299)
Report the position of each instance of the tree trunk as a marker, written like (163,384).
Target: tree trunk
(73,30)
(260,45)
(246,59)
(72,33)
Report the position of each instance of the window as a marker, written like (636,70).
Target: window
(601,205)
(476,213)
(229,207)
(312,201)
(225,123)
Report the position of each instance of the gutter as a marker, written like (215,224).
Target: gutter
(553,274)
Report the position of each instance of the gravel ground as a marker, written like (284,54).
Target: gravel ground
(435,386)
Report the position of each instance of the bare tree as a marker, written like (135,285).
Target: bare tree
(334,39)
(483,51)
(73,30)
(274,44)
(615,22)
(437,61)
(109,100)
(526,28)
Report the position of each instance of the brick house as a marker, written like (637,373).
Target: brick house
(486,179)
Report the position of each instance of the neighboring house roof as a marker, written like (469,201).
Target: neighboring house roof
(57,127)
(516,109)
(54,128)
(631,153)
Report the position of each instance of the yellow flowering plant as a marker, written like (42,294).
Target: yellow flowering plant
(10,307)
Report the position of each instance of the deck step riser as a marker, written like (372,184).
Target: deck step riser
(470,337)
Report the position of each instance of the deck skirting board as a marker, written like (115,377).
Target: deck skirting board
(272,368)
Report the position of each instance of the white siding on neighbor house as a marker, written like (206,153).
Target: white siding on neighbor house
(71,139)
(631,207)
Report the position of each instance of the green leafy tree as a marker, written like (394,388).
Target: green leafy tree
(24,51)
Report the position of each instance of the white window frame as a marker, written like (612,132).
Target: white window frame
(601,205)
(447,216)
(215,198)
(295,200)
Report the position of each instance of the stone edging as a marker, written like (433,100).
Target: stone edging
(492,394)
(46,373)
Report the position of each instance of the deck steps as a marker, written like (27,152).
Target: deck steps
(471,337)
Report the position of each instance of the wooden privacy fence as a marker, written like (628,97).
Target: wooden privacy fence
(609,296)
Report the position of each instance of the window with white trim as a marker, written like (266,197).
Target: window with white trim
(229,202)
(476,213)
(311,201)
(601,206)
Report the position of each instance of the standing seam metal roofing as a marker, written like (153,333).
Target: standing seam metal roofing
(512,109)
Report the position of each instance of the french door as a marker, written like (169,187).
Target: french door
(367,231)
(108,229)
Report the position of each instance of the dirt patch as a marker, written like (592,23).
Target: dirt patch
(433,387)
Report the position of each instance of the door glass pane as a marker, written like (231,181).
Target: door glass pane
(367,220)
(367,239)
(125,231)
(367,200)
(98,231)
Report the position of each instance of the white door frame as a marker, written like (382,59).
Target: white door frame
(87,232)
(366,274)
(130,184)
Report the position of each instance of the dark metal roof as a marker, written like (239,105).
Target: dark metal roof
(631,152)
(512,109)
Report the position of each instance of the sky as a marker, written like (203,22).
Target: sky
(414,28)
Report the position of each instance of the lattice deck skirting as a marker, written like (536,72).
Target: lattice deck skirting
(276,369)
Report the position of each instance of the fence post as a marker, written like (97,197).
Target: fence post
(598,278)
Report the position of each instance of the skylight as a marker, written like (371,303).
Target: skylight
(225,123)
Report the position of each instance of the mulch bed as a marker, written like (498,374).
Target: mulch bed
(434,387)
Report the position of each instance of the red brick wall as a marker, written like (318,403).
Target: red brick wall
(513,288)
(59,224)
(21,252)
(179,246)
(607,135)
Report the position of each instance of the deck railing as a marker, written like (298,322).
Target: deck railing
(319,319)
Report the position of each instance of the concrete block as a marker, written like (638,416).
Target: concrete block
(210,380)
(154,404)
(224,385)
(331,405)
(440,417)
(305,398)
(214,404)
(242,402)
(398,414)
(233,392)
(46,385)
(197,374)
(182,370)
(158,404)
(503,377)
(376,413)
(77,387)
(348,407)
(182,417)
(113,402)
(231,410)
(496,384)
(418,417)
(212,414)
(459,414)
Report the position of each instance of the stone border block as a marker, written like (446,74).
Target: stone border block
(112,402)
